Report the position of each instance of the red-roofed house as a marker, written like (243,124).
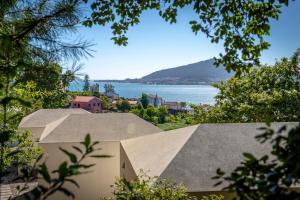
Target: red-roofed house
(89,103)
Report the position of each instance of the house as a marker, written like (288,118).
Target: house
(133,102)
(192,157)
(112,95)
(194,154)
(69,129)
(89,103)
(155,100)
(173,107)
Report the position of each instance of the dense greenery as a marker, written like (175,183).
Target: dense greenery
(264,94)
(144,100)
(161,117)
(32,45)
(149,188)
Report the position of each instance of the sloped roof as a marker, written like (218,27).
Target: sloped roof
(83,98)
(144,152)
(200,153)
(102,126)
(42,117)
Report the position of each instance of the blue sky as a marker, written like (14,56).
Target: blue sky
(155,44)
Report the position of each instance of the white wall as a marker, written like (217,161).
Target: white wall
(94,184)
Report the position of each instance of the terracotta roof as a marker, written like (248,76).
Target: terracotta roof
(83,98)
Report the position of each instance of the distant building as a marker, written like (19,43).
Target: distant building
(89,103)
(132,102)
(112,95)
(155,100)
(173,107)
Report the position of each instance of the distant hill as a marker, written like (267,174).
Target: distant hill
(203,72)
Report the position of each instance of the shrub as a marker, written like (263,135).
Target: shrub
(148,188)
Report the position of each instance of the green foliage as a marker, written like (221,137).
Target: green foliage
(264,94)
(106,104)
(148,188)
(144,100)
(24,153)
(213,197)
(270,176)
(123,105)
(56,180)
(162,113)
(32,47)
(240,25)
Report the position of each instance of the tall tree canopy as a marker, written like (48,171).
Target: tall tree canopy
(264,94)
(32,43)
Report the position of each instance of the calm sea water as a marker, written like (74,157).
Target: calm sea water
(203,94)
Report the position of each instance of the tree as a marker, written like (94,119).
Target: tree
(144,100)
(86,86)
(264,94)
(145,187)
(162,114)
(240,25)
(123,105)
(105,102)
(30,39)
(109,88)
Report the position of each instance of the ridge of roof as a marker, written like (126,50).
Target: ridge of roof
(101,126)
(153,153)
(83,98)
(216,145)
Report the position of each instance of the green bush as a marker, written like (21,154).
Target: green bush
(148,188)
(213,197)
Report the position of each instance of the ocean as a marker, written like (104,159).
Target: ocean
(196,94)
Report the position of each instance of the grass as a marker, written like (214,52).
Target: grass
(172,125)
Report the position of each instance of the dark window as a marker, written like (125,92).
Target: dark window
(78,105)
(98,104)
(94,104)
(89,105)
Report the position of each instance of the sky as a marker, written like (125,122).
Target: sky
(154,45)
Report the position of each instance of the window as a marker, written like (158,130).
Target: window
(98,104)
(78,106)
(94,104)
(89,105)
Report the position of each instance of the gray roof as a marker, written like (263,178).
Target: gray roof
(209,147)
(42,117)
(101,126)
(145,151)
